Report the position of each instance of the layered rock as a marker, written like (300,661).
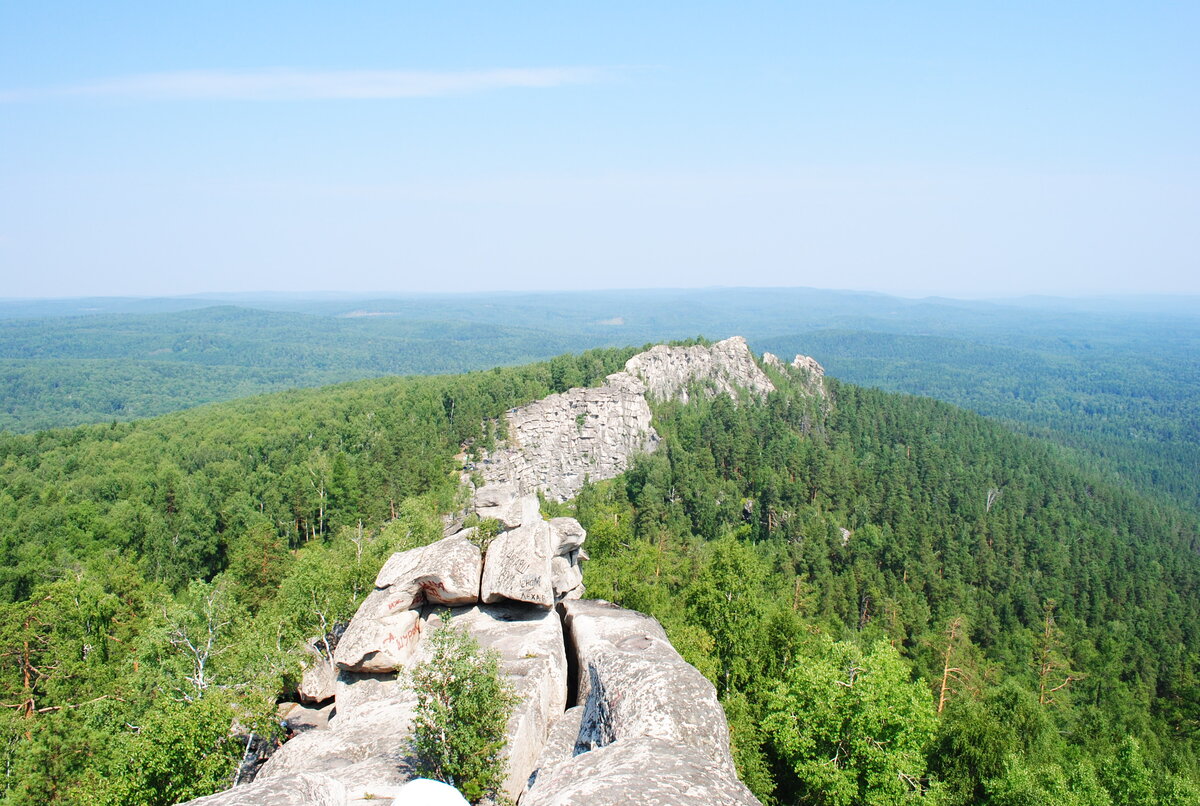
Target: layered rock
(384,632)
(556,444)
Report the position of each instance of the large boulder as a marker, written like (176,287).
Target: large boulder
(382,636)
(643,708)
(518,565)
(445,572)
(384,632)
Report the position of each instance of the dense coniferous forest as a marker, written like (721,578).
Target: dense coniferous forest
(894,597)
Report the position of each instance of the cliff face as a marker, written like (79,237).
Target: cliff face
(555,444)
(609,712)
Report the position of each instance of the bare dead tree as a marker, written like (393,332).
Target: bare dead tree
(993,495)
(1054,672)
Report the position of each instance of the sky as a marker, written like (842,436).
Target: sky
(964,149)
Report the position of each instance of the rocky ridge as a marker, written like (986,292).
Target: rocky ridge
(609,712)
(557,443)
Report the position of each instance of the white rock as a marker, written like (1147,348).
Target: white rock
(316,682)
(518,567)
(382,635)
(727,367)
(568,535)
(446,572)
(530,643)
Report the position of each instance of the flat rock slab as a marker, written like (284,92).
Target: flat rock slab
(642,770)
(305,789)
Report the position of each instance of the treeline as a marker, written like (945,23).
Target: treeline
(88,369)
(902,599)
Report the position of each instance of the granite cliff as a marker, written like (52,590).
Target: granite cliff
(609,712)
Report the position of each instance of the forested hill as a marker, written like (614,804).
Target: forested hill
(893,596)
(1113,379)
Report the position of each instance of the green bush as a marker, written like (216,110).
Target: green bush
(463,705)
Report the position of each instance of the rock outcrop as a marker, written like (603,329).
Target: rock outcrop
(726,367)
(554,445)
(609,713)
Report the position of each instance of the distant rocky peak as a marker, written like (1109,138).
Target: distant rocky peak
(728,366)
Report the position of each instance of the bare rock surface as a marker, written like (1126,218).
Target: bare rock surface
(382,636)
(727,366)
(529,641)
(642,770)
(518,566)
(385,630)
(557,443)
(632,683)
(300,718)
(316,683)
(814,373)
(306,789)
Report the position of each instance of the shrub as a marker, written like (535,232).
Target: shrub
(463,706)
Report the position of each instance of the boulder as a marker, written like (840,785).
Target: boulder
(566,576)
(568,535)
(632,683)
(446,572)
(383,634)
(500,502)
(316,683)
(299,718)
(518,567)
(649,728)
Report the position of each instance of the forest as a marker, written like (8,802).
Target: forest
(950,611)
(1113,381)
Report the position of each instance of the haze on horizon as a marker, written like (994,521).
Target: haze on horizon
(926,149)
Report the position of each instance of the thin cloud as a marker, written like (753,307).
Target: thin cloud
(307,85)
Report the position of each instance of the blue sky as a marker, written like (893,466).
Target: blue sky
(967,149)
